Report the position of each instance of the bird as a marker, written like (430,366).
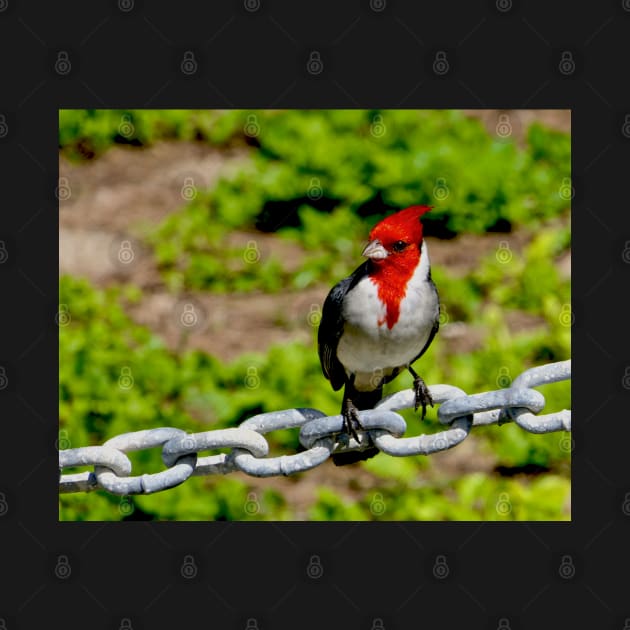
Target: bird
(378,321)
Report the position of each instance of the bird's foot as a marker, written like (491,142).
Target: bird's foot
(351,420)
(423,395)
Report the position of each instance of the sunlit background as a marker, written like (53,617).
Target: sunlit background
(197,247)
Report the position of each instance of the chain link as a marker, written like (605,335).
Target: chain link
(319,435)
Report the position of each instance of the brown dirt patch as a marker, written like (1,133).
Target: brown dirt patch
(464,252)
(228,325)
(129,186)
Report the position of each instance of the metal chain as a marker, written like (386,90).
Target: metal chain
(320,435)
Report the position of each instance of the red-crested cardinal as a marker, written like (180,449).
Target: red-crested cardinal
(379,320)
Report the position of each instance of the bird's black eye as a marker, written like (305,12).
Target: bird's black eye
(398,246)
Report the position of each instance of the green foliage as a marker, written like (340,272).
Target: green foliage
(460,297)
(472,497)
(528,281)
(548,145)
(87,133)
(223,499)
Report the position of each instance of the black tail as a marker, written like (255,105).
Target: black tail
(361,400)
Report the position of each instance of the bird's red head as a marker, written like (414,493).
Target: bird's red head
(394,252)
(398,237)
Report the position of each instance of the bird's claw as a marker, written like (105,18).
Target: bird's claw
(351,421)
(423,395)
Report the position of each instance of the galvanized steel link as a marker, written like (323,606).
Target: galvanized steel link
(319,435)
(145,484)
(318,452)
(542,375)
(426,444)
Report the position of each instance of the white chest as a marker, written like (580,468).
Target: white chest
(367,343)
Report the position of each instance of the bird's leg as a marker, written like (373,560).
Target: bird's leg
(423,395)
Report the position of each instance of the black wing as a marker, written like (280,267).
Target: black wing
(331,328)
